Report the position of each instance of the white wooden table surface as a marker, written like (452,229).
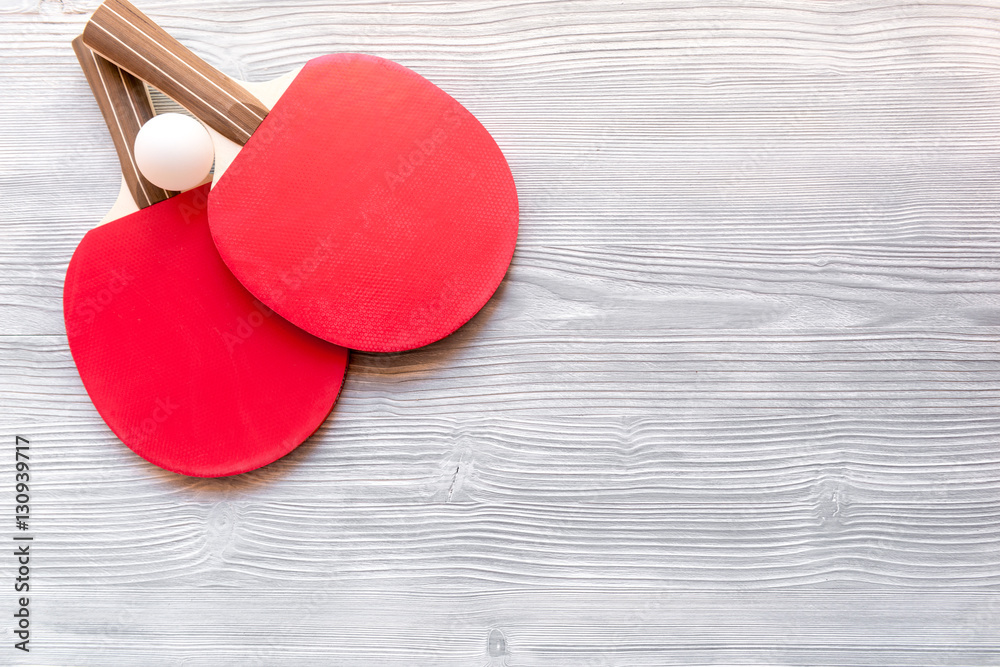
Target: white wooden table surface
(736,403)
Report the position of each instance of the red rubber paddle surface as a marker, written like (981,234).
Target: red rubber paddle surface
(185,366)
(369,208)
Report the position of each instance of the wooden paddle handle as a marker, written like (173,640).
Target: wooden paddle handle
(125,107)
(127,37)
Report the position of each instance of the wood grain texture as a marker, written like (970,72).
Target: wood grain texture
(737,401)
(528,626)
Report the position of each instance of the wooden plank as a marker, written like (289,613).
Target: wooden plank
(159,542)
(575,626)
(718,458)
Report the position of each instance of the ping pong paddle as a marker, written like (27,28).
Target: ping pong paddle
(185,366)
(366,205)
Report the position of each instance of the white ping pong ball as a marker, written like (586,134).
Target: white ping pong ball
(174,151)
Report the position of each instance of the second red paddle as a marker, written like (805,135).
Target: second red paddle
(367,206)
